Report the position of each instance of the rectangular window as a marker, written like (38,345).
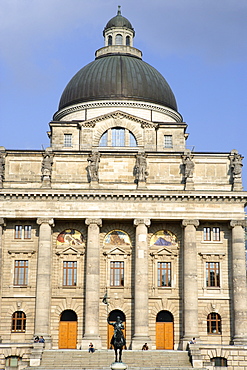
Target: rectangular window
(212,274)
(168,141)
(216,234)
(27,232)
(18,231)
(69,273)
(68,140)
(164,274)
(117,273)
(21,273)
(206,233)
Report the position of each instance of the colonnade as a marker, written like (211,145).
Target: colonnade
(92,284)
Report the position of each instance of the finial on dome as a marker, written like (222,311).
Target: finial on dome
(119,10)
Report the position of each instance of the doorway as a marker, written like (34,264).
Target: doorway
(164,330)
(68,330)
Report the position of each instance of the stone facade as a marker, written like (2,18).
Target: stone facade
(157,227)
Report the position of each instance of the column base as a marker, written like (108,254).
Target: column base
(239,341)
(96,340)
(138,341)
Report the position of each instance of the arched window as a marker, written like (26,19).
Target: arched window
(68,315)
(18,322)
(164,316)
(219,361)
(119,39)
(12,361)
(127,40)
(118,136)
(109,40)
(214,323)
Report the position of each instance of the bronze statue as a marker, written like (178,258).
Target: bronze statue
(118,340)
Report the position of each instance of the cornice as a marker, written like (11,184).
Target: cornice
(53,195)
(121,103)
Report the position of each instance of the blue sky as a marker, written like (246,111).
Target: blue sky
(198,45)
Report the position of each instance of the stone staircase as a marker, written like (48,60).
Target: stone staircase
(102,359)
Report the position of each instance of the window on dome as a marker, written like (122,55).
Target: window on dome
(118,136)
(127,40)
(119,39)
(109,40)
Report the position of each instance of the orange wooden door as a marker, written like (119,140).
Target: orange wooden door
(67,334)
(164,335)
(111,332)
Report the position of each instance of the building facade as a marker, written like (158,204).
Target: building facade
(118,218)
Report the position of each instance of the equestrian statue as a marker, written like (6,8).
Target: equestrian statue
(117,340)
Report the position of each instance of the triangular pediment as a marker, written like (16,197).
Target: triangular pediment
(117,252)
(163,252)
(118,116)
(69,251)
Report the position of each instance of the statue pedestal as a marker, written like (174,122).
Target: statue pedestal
(118,366)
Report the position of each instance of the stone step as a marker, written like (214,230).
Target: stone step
(102,359)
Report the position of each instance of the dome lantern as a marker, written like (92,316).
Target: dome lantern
(118,34)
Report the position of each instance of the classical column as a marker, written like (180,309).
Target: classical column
(141,285)
(43,284)
(190,284)
(92,285)
(2,224)
(239,291)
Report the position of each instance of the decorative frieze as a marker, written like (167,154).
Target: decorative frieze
(103,104)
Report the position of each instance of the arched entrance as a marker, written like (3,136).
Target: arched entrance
(164,330)
(68,330)
(112,318)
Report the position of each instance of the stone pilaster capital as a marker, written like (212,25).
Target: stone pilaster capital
(190,222)
(2,223)
(234,223)
(144,221)
(94,221)
(44,220)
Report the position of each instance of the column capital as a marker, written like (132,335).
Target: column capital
(234,223)
(141,221)
(94,221)
(190,222)
(2,222)
(45,220)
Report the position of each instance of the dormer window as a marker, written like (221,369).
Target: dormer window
(109,40)
(127,41)
(119,39)
(118,136)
